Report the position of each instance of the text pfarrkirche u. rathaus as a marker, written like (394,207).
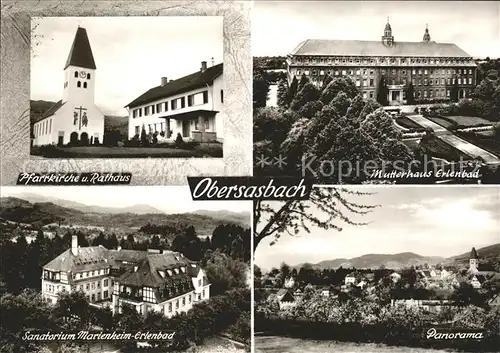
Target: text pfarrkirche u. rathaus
(432,68)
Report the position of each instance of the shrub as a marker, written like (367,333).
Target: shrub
(179,142)
(144,138)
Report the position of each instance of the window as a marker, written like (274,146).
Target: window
(134,113)
(190,100)
(76,73)
(169,307)
(105,294)
(140,112)
(343,72)
(78,84)
(183,102)
(199,283)
(166,106)
(364,82)
(152,109)
(147,111)
(93,297)
(85,85)
(173,104)
(425,72)
(414,71)
(88,76)
(177,304)
(87,286)
(371,94)
(221,96)
(358,83)
(470,71)
(425,94)
(425,81)
(358,72)
(207,128)
(364,95)
(459,81)
(371,82)
(470,80)
(99,284)
(183,301)
(93,285)
(189,298)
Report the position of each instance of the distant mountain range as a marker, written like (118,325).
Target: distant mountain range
(137,209)
(401,260)
(17,209)
(111,122)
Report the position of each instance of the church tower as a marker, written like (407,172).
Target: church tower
(427,36)
(79,72)
(473,261)
(387,38)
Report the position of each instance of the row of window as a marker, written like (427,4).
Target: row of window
(449,81)
(43,128)
(371,72)
(93,285)
(381,60)
(174,104)
(181,302)
(54,289)
(86,274)
(93,297)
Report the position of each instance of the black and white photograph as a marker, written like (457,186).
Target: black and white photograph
(378,269)
(127,87)
(121,259)
(350,92)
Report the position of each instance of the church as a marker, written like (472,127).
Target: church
(75,119)
(433,70)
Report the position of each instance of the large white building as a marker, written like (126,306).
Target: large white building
(189,106)
(146,281)
(75,118)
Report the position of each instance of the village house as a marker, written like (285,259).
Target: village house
(164,282)
(395,277)
(350,279)
(189,106)
(289,282)
(285,299)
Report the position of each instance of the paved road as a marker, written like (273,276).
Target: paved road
(454,140)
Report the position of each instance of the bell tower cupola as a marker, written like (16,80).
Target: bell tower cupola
(388,38)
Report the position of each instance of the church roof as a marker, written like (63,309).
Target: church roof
(377,48)
(184,84)
(81,54)
(473,254)
(51,111)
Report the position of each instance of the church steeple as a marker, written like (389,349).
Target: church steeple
(80,54)
(427,36)
(388,38)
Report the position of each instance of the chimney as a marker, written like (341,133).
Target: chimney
(74,245)
(203,66)
(164,81)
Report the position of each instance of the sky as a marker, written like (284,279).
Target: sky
(131,53)
(279,26)
(429,221)
(170,199)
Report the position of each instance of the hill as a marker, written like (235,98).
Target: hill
(488,254)
(137,209)
(394,261)
(242,218)
(22,211)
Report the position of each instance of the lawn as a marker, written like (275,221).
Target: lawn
(200,151)
(469,120)
(409,124)
(444,122)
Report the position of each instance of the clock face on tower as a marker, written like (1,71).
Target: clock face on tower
(83,74)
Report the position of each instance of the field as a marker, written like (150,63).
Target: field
(205,150)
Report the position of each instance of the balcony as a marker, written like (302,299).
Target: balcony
(131,296)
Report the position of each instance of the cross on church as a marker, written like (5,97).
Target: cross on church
(80,117)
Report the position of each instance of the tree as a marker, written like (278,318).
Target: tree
(465,295)
(225,273)
(292,91)
(410,94)
(307,93)
(382,92)
(282,93)
(303,80)
(274,219)
(260,89)
(144,137)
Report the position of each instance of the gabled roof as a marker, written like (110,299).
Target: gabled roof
(377,48)
(88,258)
(81,54)
(184,84)
(51,111)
